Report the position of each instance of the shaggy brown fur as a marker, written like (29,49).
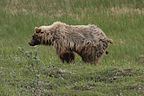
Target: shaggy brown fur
(89,41)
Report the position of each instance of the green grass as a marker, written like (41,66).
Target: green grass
(35,71)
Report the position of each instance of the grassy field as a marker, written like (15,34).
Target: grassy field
(37,71)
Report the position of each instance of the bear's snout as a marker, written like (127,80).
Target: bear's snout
(31,43)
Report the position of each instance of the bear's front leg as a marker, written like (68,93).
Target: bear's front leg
(68,57)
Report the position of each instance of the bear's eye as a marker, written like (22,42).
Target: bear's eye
(34,37)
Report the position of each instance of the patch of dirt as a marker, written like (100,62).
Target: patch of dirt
(140,59)
(113,74)
(84,87)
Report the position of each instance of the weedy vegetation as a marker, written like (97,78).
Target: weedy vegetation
(37,71)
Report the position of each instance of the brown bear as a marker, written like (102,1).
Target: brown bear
(89,41)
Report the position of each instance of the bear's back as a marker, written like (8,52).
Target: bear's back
(89,32)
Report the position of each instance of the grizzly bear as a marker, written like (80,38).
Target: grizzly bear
(88,41)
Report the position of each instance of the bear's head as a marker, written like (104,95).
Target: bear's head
(37,37)
(43,35)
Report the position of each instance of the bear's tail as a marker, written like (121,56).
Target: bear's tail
(110,41)
(106,52)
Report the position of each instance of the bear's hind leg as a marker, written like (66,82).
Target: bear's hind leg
(68,57)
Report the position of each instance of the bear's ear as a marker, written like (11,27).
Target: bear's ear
(38,30)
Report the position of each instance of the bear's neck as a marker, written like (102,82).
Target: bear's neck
(46,40)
